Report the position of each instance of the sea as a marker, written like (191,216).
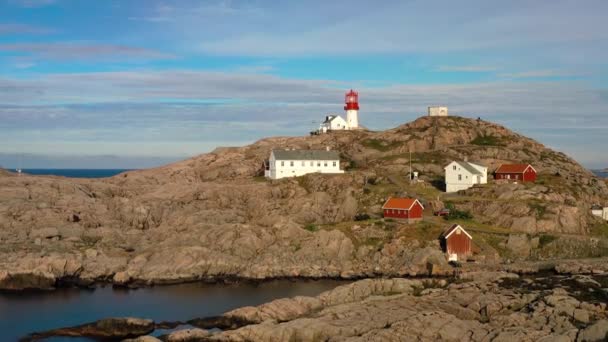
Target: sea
(600,173)
(76,173)
(22,313)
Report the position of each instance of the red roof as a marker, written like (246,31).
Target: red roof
(400,203)
(513,168)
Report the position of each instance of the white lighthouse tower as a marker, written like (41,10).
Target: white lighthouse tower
(351,107)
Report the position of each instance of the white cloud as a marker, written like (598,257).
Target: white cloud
(538,74)
(197,110)
(82,51)
(22,29)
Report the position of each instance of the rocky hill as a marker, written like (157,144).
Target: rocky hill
(215,217)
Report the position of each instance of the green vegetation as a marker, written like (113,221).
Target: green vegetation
(311,227)
(539,208)
(381,145)
(600,229)
(351,165)
(497,243)
(259,179)
(375,242)
(362,217)
(546,239)
(456,214)
(487,140)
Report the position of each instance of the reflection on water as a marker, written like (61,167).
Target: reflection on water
(23,313)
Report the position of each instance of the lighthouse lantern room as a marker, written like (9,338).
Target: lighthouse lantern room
(351,100)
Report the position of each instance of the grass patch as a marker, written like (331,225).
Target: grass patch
(487,140)
(259,179)
(600,229)
(380,145)
(496,242)
(311,227)
(375,242)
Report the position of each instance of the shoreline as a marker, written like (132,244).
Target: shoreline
(552,267)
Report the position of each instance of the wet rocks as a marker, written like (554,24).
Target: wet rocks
(106,328)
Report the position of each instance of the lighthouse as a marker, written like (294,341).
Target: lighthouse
(351,101)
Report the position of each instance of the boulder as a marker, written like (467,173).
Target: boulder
(187,335)
(598,331)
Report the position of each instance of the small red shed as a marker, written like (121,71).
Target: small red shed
(517,172)
(456,243)
(409,209)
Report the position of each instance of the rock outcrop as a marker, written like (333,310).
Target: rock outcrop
(505,308)
(212,216)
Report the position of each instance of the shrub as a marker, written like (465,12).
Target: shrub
(456,214)
(362,217)
(545,239)
(380,145)
(539,209)
(486,140)
(311,227)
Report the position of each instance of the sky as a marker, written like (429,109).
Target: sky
(139,83)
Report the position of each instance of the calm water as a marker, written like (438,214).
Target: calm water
(76,173)
(601,174)
(24,313)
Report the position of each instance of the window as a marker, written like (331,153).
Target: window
(325,164)
(303,163)
(335,164)
(516,176)
(460,177)
(318,164)
(508,176)
(282,163)
(454,167)
(291,163)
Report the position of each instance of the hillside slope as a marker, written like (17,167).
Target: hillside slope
(213,216)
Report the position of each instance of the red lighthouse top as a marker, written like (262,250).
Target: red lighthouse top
(351,99)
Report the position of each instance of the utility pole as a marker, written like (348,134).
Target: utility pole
(410,166)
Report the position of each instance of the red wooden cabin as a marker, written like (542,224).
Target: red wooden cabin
(409,209)
(456,243)
(516,172)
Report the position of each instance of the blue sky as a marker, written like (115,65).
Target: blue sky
(143,82)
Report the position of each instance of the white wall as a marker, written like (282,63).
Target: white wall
(338,123)
(284,168)
(438,111)
(352,118)
(453,183)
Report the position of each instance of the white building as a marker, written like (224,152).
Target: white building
(438,111)
(333,122)
(293,163)
(336,122)
(461,175)
(600,211)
